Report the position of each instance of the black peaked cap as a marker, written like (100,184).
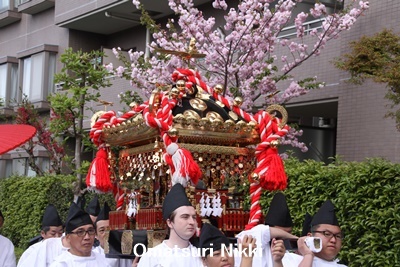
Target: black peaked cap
(325,215)
(81,202)
(175,198)
(278,212)
(306,224)
(212,238)
(93,207)
(51,217)
(76,218)
(104,213)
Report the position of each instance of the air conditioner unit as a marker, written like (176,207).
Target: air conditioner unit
(323,122)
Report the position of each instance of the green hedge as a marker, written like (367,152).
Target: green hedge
(366,195)
(24,199)
(367,198)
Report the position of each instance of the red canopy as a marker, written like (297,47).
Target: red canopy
(14,135)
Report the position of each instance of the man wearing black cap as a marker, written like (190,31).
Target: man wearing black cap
(278,213)
(7,256)
(102,224)
(80,234)
(177,251)
(269,236)
(216,250)
(93,208)
(278,216)
(52,225)
(325,226)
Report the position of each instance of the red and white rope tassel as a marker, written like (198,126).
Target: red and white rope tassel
(269,173)
(98,177)
(182,165)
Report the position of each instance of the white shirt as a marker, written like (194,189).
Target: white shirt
(66,259)
(7,256)
(114,262)
(42,253)
(164,256)
(292,259)
(262,234)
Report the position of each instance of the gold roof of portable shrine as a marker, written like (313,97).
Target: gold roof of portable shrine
(197,119)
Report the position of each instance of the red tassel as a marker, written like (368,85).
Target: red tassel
(98,177)
(275,178)
(193,169)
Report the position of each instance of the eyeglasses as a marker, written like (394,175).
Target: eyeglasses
(82,232)
(329,234)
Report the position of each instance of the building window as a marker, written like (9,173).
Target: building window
(20,2)
(4,5)
(37,73)
(3,81)
(8,81)
(332,6)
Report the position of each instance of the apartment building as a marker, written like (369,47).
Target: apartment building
(340,119)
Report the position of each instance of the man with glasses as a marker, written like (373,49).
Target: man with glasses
(325,226)
(80,233)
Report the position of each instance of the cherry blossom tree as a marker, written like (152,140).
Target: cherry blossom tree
(240,54)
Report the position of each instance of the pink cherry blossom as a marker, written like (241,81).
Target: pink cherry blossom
(240,52)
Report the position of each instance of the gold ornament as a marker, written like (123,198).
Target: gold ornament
(218,89)
(233,115)
(154,101)
(174,93)
(274,143)
(106,244)
(212,116)
(238,101)
(126,242)
(198,104)
(272,110)
(173,132)
(181,85)
(255,177)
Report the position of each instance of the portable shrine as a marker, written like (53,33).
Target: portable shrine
(187,133)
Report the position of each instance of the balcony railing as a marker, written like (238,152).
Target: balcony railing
(290,32)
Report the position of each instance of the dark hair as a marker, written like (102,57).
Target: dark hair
(45,229)
(314,228)
(172,216)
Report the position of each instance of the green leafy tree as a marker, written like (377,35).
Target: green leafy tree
(81,78)
(376,57)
